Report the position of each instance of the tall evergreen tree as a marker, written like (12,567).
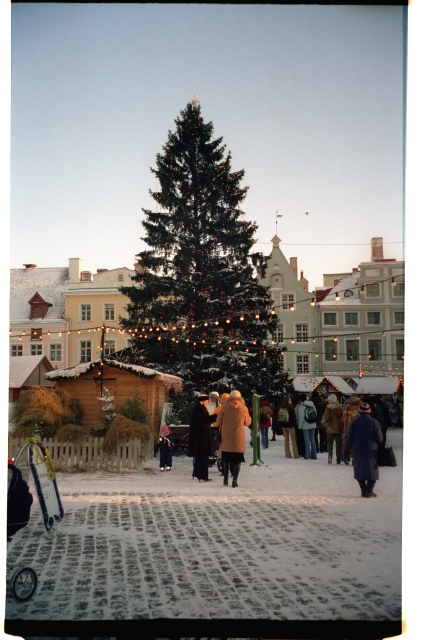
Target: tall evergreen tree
(197,309)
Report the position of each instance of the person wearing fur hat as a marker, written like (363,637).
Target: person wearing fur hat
(363,437)
(332,419)
(213,402)
(232,419)
(200,445)
(165,446)
(349,413)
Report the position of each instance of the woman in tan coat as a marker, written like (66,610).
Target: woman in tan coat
(332,419)
(232,419)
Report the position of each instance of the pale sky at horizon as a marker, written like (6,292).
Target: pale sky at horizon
(308,99)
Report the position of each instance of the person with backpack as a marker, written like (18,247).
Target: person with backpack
(332,419)
(265,413)
(307,418)
(287,421)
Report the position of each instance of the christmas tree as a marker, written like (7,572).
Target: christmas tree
(197,309)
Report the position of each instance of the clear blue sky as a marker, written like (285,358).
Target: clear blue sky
(308,99)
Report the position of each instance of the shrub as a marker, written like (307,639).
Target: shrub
(123,429)
(134,409)
(48,408)
(72,432)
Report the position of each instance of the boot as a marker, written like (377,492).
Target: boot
(369,492)
(225,469)
(236,471)
(363,486)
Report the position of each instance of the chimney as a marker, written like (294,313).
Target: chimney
(30,266)
(355,270)
(376,249)
(304,283)
(75,265)
(293,264)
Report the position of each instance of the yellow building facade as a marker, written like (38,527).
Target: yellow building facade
(91,302)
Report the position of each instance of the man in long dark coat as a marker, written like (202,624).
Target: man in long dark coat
(200,445)
(364,436)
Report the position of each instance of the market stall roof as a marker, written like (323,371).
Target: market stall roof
(386,385)
(75,372)
(22,367)
(306,384)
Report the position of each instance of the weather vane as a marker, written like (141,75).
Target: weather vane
(277,215)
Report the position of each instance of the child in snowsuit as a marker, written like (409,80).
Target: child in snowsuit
(165,446)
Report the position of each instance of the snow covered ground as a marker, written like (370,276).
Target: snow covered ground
(295,541)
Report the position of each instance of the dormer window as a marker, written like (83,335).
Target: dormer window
(39,307)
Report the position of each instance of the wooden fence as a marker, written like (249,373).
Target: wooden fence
(88,455)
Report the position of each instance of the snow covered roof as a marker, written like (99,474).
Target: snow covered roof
(348,283)
(49,282)
(379,384)
(75,372)
(306,384)
(21,367)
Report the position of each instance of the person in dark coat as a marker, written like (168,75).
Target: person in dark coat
(387,418)
(200,445)
(19,501)
(364,436)
(320,432)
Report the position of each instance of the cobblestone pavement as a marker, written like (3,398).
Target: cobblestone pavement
(294,543)
(143,555)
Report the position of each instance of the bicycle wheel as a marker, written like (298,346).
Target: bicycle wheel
(183,447)
(23,584)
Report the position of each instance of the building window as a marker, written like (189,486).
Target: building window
(302,363)
(55,353)
(399,317)
(373,317)
(36,334)
(400,349)
(330,350)
(302,333)
(85,312)
(330,319)
(352,349)
(16,350)
(278,335)
(287,300)
(351,319)
(109,347)
(374,349)
(399,289)
(120,277)
(36,350)
(85,351)
(348,293)
(109,311)
(372,290)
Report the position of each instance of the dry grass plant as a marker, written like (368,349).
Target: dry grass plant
(51,407)
(122,430)
(72,432)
